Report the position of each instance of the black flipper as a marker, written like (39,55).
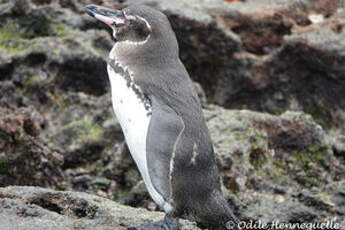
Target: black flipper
(164,131)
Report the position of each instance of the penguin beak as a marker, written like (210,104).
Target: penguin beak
(109,16)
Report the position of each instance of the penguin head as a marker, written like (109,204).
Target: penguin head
(138,26)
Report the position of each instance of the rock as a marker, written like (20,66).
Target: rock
(86,132)
(37,208)
(272,165)
(302,62)
(49,37)
(24,159)
(270,208)
(338,144)
(53,60)
(329,201)
(83,128)
(290,149)
(136,196)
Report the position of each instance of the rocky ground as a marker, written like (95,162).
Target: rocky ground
(270,73)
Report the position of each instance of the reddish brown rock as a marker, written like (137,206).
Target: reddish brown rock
(24,160)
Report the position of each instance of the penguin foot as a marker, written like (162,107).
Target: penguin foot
(167,223)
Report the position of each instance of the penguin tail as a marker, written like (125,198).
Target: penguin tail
(230,221)
(218,214)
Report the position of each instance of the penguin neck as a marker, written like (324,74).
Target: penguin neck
(135,53)
(129,50)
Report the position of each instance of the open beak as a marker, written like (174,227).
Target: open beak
(109,16)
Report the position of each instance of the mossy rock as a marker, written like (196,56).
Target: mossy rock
(10,39)
(35,27)
(85,129)
(15,35)
(306,167)
(3,166)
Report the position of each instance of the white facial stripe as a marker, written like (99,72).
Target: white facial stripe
(146,22)
(140,42)
(134,43)
(129,17)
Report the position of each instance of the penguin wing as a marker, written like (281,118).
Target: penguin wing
(165,129)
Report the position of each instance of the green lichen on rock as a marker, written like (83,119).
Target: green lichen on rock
(290,149)
(20,35)
(304,167)
(320,114)
(122,194)
(39,26)
(132,177)
(31,83)
(10,39)
(62,29)
(3,166)
(34,79)
(86,129)
(257,158)
(60,100)
(312,154)
(312,161)
(35,27)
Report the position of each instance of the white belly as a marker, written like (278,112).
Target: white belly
(134,120)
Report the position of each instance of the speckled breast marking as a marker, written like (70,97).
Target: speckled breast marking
(124,72)
(133,111)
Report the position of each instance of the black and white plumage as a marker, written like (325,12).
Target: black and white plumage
(161,117)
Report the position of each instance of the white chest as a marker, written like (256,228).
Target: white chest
(131,110)
(133,114)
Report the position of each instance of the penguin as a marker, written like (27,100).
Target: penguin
(161,117)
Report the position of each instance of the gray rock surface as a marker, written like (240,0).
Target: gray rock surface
(338,143)
(26,208)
